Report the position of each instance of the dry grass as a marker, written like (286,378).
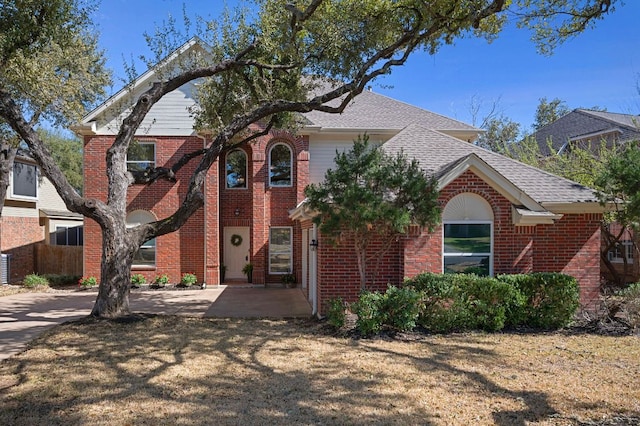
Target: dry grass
(185,371)
(10,289)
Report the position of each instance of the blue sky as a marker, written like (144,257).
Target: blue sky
(600,67)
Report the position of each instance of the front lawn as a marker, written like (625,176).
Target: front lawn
(177,370)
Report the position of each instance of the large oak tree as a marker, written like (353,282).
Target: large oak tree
(252,74)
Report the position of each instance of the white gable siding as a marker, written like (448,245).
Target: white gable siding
(322,152)
(169,117)
(48,197)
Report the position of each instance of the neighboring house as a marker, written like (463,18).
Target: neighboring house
(588,129)
(34,215)
(520,219)
(583,126)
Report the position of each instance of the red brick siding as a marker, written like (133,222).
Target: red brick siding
(197,246)
(18,237)
(176,253)
(570,246)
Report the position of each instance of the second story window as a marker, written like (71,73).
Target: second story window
(24,181)
(280,165)
(236,169)
(141,156)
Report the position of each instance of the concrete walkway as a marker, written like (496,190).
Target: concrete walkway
(24,316)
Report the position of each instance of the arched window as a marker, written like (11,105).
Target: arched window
(280,165)
(236,167)
(146,255)
(468,235)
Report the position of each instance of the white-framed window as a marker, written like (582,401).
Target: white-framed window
(620,251)
(68,236)
(467,235)
(280,161)
(280,250)
(236,168)
(141,156)
(467,248)
(24,181)
(146,255)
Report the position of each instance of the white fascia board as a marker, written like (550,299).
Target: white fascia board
(498,182)
(524,217)
(577,207)
(468,135)
(302,212)
(84,129)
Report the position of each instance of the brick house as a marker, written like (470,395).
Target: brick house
(527,219)
(34,215)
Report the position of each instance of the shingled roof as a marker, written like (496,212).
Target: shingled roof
(370,111)
(583,122)
(439,154)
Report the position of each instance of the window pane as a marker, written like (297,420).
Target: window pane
(467,238)
(478,265)
(72,236)
(280,251)
(140,156)
(61,236)
(80,235)
(237,169)
(280,166)
(25,180)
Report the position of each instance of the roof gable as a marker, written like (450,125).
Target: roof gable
(447,157)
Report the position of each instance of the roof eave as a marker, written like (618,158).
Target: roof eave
(487,173)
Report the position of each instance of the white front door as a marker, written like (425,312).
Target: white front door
(236,251)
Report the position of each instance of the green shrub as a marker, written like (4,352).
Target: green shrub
(161,280)
(87,282)
(368,309)
(490,303)
(137,280)
(551,299)
(631,302)
(188,279)
(336,312)
(444,308)
(400,307)
(35,280)
(61,280)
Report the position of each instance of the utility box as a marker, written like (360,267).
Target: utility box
(5,269)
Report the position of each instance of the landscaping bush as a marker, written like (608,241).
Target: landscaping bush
(137,280)
(400,307)
(61,280)
(35,280)
(161,280)
(87,282)
(631,303)
(491,303)
(336,313)
(188,279)
(551,299)
(368,309)
(444,309)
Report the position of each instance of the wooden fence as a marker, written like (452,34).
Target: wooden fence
(62,260)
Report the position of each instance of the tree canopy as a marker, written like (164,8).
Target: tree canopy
(371,196)
(250,75)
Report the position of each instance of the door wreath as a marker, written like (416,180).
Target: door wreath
(236,240)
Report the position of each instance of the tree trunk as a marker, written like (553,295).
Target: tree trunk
(115,275)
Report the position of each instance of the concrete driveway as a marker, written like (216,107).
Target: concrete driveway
(24,316)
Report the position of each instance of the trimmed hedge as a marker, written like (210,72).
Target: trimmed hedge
(443,303)
(551,299)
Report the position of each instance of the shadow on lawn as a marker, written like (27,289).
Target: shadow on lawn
(139,370)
